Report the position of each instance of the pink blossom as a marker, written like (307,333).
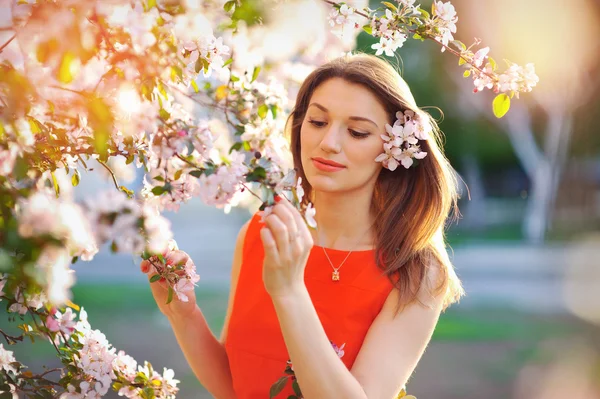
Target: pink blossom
(8,158)
(6,358)
(480,56)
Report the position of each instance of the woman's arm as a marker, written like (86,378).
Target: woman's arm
(392,347)
(203,351)
(388,356)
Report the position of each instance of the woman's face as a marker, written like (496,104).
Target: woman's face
(340,137)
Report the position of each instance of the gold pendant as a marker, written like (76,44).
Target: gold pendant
(335,276)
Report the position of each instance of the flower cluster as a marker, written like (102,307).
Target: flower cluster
(118,219)
(397,23)
(401,142)
(341,18)
(390,39)
(176,269)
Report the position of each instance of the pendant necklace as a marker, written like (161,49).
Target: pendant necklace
(335,275)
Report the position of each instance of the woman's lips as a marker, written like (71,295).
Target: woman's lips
(326,167)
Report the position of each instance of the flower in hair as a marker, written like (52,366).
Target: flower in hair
(402,140)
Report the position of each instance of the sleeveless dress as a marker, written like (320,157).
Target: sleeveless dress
(346,308)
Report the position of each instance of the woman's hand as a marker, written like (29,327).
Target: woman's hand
(160,289)
(287,243)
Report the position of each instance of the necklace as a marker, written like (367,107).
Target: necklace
(335,275)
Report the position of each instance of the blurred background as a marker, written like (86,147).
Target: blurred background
(527,247)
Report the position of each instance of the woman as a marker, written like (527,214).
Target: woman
(353,303)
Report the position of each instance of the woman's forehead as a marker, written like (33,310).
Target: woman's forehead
(341,97)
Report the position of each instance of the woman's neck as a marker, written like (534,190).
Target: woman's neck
(343,221)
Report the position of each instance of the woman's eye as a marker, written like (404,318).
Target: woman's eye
(358,135)
(317,123)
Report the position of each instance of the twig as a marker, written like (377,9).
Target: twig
(10,338)
(427,36)
(251,192)
(69,90)
(114,178)
(39,329)
(189,162)
(47,372)
(8,42)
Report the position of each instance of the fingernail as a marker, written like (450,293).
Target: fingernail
(277,198)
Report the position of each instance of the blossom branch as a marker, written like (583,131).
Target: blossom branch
(112,174)
(10,339)
(7,42)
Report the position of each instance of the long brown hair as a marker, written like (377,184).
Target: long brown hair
(412,205)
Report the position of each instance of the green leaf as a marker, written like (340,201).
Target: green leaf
(127,191)
(149,393)
(195,86)
(368,29)
(196,173)
(501,105)
(296,388)
(55,184)
(76,178)
(262,111)
(277,387)
(158,190)
(229,61)
(258,174)
(273,109)
(164,114)
(425,13)
(178,174)
(492,63)
(170,296)
(69,66)
(390,6)
(158,178)
(461,61)
(236,147)
(234,78)
(417,36)
(255,73)
(466,74)
(155,278)
(151,3)
(198,65)
(228,6)
(114,247)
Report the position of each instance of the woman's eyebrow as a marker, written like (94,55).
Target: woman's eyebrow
(352,118)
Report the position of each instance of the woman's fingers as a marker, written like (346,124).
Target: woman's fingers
(303,231)
(279,232)
(269,244)
(145,266)
(285,212)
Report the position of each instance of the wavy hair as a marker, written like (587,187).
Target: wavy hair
(411,206)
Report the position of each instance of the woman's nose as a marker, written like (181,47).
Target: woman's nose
(331,140)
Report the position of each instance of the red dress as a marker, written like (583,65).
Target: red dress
(254,344)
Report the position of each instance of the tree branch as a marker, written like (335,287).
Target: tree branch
(8,42)
(112,174)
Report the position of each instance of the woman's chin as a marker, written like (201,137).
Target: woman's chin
(324,183)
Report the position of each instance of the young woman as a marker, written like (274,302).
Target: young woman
(352,304)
